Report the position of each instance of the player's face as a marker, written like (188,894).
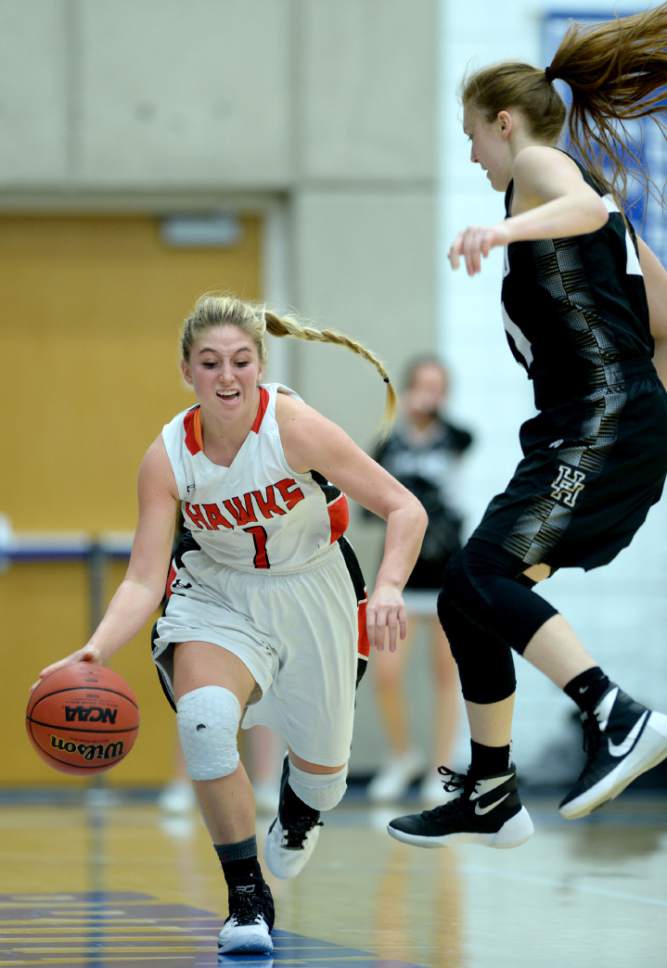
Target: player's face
(489,147)
(224,370)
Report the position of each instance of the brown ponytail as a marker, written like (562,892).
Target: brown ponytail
(617,71)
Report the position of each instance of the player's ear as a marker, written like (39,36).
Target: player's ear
(186,371)
(504,120)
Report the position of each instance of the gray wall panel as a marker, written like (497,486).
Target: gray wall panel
(33,103)
(367,90)
(193,93)
(365,265)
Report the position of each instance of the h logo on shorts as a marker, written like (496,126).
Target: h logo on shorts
(568,485)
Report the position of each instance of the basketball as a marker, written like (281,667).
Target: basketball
(82,719)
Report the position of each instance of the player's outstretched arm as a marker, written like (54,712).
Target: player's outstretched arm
(551,200)
(311,442)
(655,279)
(141,591)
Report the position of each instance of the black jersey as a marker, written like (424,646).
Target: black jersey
(575,309)
(429,469)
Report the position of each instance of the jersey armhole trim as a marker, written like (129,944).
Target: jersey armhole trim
(192,426)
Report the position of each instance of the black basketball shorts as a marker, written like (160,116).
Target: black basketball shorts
(591,471)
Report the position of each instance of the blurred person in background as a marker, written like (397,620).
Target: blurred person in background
(267,619)
(424,452)
(584,303)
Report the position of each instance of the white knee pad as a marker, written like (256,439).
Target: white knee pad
(208,722)
(321,791)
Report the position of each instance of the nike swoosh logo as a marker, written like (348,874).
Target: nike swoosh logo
(603,710)
(621,749)
(488,785)
(480,811)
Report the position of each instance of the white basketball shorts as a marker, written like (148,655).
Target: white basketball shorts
(298,636)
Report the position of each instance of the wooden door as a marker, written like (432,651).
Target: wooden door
(92,308)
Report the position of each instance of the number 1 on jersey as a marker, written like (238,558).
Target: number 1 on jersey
(261,559)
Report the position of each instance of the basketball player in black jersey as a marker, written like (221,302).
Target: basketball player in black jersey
(585,307)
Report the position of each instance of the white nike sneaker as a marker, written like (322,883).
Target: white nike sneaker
(393,781)
(623,739)
(484,810)
(287,850)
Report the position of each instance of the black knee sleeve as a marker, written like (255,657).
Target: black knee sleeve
(487,607)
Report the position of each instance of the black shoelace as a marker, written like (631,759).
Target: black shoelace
(295,835)
(452,782)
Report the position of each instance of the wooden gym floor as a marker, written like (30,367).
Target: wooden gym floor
(122,886)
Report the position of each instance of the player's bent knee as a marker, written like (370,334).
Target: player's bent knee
(208,721)
(321,791)
(453,579)
(467,594)
(454,596)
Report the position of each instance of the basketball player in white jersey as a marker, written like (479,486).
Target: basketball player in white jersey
(267,620)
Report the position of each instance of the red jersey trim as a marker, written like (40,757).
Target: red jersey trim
(193,435)
(261,409)
(170,579)
(339,517)
(363,645)
(194,439)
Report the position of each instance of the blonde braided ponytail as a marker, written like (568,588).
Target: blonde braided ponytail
(288,326)
(221,309)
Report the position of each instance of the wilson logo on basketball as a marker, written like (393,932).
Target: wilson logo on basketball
(89,751)
(90,714)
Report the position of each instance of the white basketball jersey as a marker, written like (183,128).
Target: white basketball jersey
(256,514)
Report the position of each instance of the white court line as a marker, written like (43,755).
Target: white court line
(559,884)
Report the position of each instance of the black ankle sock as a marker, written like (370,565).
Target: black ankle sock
(487,760)
(239,862)
(292,806)
(588,688)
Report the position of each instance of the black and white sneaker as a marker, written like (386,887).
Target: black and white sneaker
(247,929)
(482,810)
(622,739)
(292,837)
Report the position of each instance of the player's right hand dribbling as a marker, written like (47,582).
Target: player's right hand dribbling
(89,653)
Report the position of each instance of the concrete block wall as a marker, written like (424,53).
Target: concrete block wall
(365,223)
(33,81)
(184,93)
(366,91)
(234,94)
(132,95)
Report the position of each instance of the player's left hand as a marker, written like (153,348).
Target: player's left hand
(385,612)
(475,242)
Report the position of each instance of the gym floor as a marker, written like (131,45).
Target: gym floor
(119,885)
